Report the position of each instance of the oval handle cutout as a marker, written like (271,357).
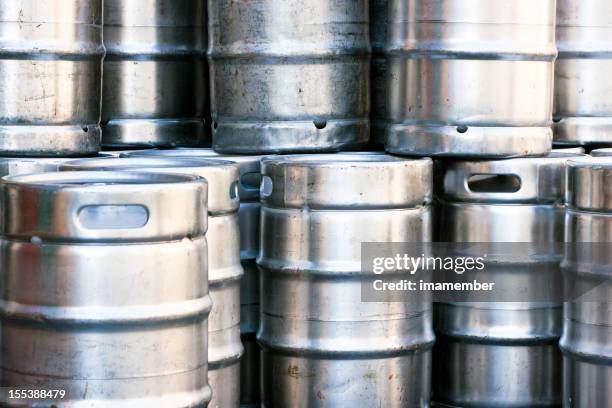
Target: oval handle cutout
(106,217)
(494,183)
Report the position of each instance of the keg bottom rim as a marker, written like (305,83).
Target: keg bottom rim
(49,141)
(468,141)
(152,133)
(591,132)
(290,136)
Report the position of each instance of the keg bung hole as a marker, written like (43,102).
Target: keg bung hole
(85,128)
(107,217)
(462,129)
(494,183)
(266,187)
(215,125)
(320,124)
(251,181)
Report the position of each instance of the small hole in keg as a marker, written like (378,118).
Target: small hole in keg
(494,183)
(462,129)
(320,124)
(215,125)
(556,119)
(266,186)
(234,190)
(104,122)
(85,129)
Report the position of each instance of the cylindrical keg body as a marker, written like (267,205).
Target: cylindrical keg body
(288,75)
(155,90)
(502,351)
(440,75)
(583,111)
(378,36)
(50,77)
(322,345)
(224,269)
(248,219)
(601,152)
(587,331)
(16,166)
(104,288)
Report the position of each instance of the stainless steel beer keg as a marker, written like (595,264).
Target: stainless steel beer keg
(502,351)
(587,332)
(104,292)
(289,75)
(155,76)
(224,269)
(379,12)
(601,152)
(324,346)
(583,111)
(50,77)
(248,219)
(470,78)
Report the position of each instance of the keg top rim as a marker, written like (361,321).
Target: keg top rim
(602,152)
(126,163)
(364,158)
(194,152)
(596,163)
(85,179)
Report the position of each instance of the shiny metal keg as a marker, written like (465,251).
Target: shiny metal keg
(470,78)
(289,75)
(378,36)
(50,77)
(583,110)
(224,269)
(248,219)
(155,77)
(502,351)
(103,290)
(587,332)
(15,166)
(601,152)
(324,346)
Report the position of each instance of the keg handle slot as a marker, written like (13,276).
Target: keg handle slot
(266,186)
(115,216)
(251,181)
(494,183)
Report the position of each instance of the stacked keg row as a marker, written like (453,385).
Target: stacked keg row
(122,279)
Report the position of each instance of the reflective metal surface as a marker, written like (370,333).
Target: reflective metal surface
(109,301)
(50,74)
(582,81)
(248,219)
(378,35)
(502,353)
(289,75)
(587,333)
(224,269)
(323,346)
(155,76)
(453,93)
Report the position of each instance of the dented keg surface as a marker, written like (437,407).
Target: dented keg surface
(224,269)
(583,110)
(155,74)
(50,76)
(587,332)
(451,93)
(503,354)
(378,35)
(601,152)
(248,219)
(289,75)
(323,346)
(109,301)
